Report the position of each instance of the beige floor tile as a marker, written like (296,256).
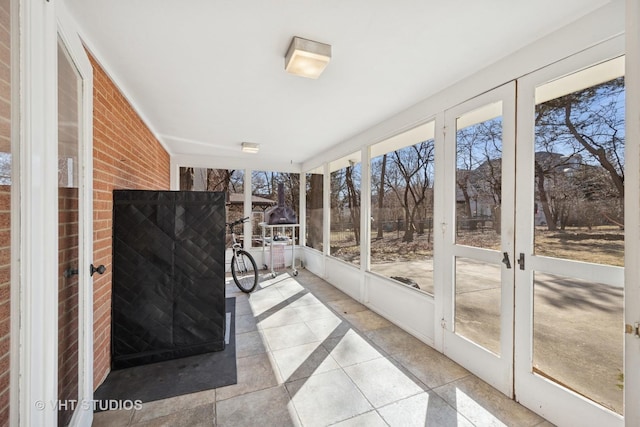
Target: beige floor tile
(263,302)
(370,419)
(288,336)
(301,300)
(245,323)
(161,408)
(367,320)
(394,340)
(201,416)
(347,306)
(315,312)
(484,405)
(250,344)
(254,373)
(431,367)
(243,307)
(351,349)
(119,418)
(291,289)
(329,327)
(303,361)
(425,409)
(382,382)
(269,407)
(326,398)
(326,293)
(274,318)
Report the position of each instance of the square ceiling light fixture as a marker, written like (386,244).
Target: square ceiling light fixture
(250,147)
(307,58)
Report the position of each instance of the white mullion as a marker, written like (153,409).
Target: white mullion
(39,209)
(16,220)
(247,229)
(302,220)
(365,219)
(326,212)
(632,209)
(365,209)
(439,214)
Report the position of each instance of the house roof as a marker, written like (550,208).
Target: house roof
(238,199)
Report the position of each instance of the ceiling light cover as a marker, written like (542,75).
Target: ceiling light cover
(307,58)
(250,147)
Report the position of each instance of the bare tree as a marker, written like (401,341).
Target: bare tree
(479,168)
(381,192)
(353,199)
(186,179)
(413,166)
(586,127)
(315,183)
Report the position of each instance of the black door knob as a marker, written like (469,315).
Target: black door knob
(100,269)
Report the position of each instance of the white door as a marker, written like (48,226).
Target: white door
(570,241)
(75,239)
(479,235)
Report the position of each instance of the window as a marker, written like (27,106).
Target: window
(315,209)
(402,179)
(345,209)
(229,181)
(579,166)
(264,195)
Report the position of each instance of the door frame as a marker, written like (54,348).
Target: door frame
(552,401)
(68,34)
(496,370)
(632,207)
(34,343)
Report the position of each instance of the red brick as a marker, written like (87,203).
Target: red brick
(126,155)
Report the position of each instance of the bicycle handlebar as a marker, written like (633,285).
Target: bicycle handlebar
(236,222)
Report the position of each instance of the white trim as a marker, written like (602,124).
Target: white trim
(39,210)
(365,215)
(83,416)
(16,220)
(247,226)
(326,213)
(95,52)
(302,191)
(439,231)
(632,213)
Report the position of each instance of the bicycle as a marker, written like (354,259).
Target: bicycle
(243,266)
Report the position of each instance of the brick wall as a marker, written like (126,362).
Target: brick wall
(125,156)
(67,299)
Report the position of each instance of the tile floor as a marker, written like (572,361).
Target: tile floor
(309,355)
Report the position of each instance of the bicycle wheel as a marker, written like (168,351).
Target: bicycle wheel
(244,271)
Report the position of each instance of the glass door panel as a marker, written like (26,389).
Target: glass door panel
(68,234)
(478,199)
(478,300)
(577,324)
(579,203)
(570,236)
(478,319)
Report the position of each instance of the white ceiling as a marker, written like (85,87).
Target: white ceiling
(209,74)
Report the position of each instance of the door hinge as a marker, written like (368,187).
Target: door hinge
(443,323)
(633,330)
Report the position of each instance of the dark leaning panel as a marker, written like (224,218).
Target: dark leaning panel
(168,297)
